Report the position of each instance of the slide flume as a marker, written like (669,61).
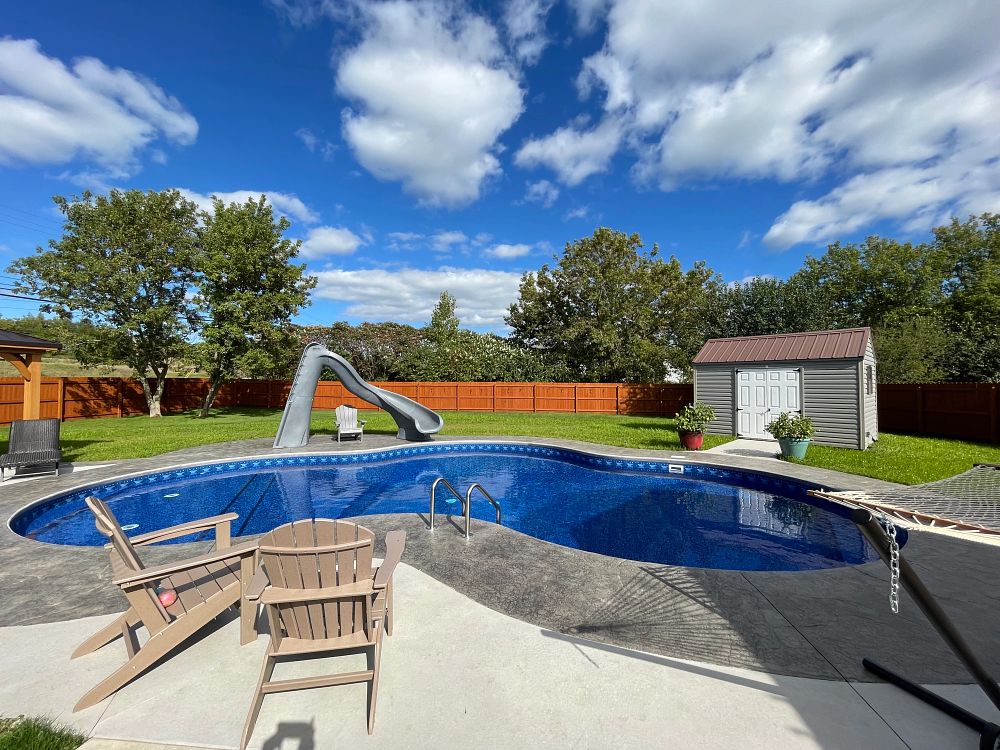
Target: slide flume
(415,421)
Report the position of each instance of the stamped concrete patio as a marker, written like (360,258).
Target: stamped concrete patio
(509,641)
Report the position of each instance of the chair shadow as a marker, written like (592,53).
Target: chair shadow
(292,730)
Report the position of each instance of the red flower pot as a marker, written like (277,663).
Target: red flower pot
(691,440)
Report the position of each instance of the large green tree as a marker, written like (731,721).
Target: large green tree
(860,284)
(125,263)
(766,305)
(247,290)
(968,256)
(614,311)
(378,351)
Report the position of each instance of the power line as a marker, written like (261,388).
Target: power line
(29,215)
(20,296)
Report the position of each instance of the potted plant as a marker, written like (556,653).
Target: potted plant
(691,422)
(793,432)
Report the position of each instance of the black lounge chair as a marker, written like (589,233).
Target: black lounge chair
(33,442)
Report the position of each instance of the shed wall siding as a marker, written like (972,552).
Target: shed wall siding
(713,384)
(830,393)
(871,402)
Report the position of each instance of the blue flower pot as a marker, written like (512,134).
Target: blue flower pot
(793,448)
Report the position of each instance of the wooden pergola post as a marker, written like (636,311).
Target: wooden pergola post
(25,353)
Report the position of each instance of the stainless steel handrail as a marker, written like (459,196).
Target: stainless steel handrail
(454,492)
(465,501)
(468,504)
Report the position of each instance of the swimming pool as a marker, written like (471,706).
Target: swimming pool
(677,514)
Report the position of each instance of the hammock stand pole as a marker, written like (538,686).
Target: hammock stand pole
(989,733)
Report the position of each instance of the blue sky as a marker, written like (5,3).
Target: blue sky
(425,146)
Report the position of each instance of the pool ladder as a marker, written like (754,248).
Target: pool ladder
(465,501)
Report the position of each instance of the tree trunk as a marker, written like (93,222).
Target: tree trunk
(213,390)
(154,396)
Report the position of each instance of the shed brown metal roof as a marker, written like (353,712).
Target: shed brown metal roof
(846,343)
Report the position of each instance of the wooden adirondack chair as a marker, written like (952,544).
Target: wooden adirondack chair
(347,423)
(322,597)
(206,586)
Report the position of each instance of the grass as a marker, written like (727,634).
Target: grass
(906,459)
(138,437)
(895,458)
(37,734)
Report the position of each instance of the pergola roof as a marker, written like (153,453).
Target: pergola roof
(13,341)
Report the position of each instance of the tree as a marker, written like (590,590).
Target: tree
(968,255)
(764,305)
(378,351)
(614,312)
(443,328)
(124,264)
(247,291)
(861,284)
(912,349)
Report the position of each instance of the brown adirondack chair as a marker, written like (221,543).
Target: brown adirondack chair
(322,597)
(206,586)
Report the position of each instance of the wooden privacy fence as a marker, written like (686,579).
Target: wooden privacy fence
(82,398)
(963,410)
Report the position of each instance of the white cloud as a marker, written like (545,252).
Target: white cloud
(917,197)
(444,241)
(315,144)
(580,212)
(324,241)
(749,279)
(543,192)
(54,114)
(573,154)
(587,12)
(284,203)
(898,101)
(434,93)
(410,295)
(508,251)
(524,21)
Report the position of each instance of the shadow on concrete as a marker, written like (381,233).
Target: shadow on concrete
(292,732)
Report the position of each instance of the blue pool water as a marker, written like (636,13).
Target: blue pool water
(706,517)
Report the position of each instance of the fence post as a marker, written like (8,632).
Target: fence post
(119,389)
(61,409)
(458,406)
(994,408)
(920,410)
(534,397)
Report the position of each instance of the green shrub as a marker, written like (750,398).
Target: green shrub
(790,426)
(694,417)
(34,733)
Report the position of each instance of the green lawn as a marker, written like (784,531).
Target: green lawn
(905,458)
(896,458)
(37,734)
(137,437)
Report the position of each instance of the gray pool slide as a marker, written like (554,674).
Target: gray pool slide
(415,422)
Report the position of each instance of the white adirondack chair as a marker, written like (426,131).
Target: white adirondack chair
(347,423)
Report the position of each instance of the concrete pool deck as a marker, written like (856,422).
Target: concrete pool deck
(693,632)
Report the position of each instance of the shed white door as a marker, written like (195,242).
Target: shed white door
(761,395)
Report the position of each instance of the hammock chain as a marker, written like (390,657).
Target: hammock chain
(890,530)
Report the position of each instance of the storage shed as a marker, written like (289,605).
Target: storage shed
(827,375)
